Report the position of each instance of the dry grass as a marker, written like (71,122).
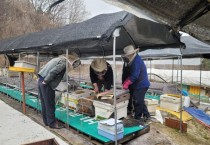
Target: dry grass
(196,134)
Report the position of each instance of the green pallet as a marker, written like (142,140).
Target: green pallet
(81,122)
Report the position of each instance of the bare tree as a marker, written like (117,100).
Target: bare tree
(17,18)
(76,11)
(40,6)
(4,6)
(69,11)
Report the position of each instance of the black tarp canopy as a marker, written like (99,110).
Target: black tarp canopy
(190,16)
(93,37)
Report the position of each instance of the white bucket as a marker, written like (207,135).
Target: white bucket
(186,101)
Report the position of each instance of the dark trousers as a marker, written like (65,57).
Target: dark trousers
(47,97)
(137,101)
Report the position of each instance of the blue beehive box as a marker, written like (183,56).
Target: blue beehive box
(109,135)
(106,128)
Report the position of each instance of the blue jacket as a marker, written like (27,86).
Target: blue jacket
(137,72)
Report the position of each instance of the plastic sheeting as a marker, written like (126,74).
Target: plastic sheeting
(199,114)
(194,48)
(189,77)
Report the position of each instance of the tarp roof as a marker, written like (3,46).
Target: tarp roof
(194,48)
(93,37)
(191,16)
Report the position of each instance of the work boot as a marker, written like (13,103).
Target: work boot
(147,120)
(57,126)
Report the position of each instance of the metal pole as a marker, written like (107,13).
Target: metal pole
(67,102)
(177,77)
(150,69)
(115,34)
(173,71)
(37,62)
(23,93)
(19,78)
(200,81)
(37,70)
(181,92)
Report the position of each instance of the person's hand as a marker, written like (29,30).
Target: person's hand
(95,87)
(127,83)
(43,83)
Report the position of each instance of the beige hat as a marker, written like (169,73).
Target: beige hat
(74,59)
(99,64)
(129,50)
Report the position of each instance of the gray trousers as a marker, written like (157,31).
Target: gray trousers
(47,97)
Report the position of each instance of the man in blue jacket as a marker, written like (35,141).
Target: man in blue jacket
(135,79)
(49,78)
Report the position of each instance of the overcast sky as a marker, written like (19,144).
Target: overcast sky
(96,7)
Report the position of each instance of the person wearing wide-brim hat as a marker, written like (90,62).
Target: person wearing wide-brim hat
(129,53)
(134,78)
(49,78)
(101,74)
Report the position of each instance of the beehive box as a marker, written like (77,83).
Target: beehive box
(25,64)
(72,99)
(110,135)
(170,102)
(85,106)
(151,105)
(111,128)
(106,110)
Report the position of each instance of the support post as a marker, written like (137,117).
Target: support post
(181,105)
(150,70)
(67,102)
(37,70)
(173,71)
(115,35)
(200,81)
(23,93)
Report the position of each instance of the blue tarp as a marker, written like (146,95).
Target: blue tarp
(199,114)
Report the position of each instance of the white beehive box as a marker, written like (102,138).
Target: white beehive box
(105,110)
(25,64)
(170,102)
(151,105)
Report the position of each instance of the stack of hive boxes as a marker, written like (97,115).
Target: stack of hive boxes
(104,104)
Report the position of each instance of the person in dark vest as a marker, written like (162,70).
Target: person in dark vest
(49,78)
(135,78)
(101,75)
